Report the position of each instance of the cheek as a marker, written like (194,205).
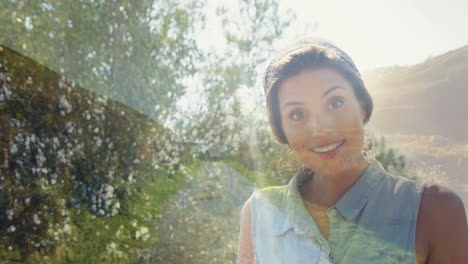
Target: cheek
(294,137)
(351,118)
(353,127)
(297,138)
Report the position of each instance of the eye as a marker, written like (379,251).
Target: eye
(335,103)
(297,115)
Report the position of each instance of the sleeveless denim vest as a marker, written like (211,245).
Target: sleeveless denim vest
(374,222)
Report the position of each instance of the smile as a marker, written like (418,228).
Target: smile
(327,148)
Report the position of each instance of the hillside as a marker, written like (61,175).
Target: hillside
(422,111)
(427,98)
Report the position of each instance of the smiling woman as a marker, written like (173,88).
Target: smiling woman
(343,207)
(323,122)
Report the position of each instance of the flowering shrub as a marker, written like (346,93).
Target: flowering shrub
(70,160)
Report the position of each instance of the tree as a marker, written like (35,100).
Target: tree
(137,53)
(82,176)
(95,174)
(389,158)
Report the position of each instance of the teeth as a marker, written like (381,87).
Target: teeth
(327,148)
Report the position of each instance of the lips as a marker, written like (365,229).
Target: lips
(328,144)
(329,151)
(328,147)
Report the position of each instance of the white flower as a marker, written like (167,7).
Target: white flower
(17,175)
(36,219)
(40,158)
(61,155)
(130,177)
(110,188)
(69,127)
(66,228)
(7,92)
(114,211)
(144,230)
(98,141)
(64,104)
(13,149)
(142,233)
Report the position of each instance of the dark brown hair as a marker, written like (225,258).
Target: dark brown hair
(303,55)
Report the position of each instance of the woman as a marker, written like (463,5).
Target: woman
(342,207)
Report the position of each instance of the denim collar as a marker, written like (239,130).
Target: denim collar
(349,206)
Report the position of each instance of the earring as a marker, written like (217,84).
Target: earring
(368,146)
(307,170)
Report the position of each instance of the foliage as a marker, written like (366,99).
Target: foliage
(200,224)
(135,52)
(387,156)
(72,162)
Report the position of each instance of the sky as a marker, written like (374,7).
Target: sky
(377,33)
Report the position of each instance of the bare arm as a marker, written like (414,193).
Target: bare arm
(446,226)
(245,248)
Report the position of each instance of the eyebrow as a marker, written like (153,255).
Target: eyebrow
(331,89)
(323,95)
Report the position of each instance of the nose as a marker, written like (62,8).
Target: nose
(319,124)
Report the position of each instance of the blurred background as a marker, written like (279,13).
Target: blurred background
(134,131)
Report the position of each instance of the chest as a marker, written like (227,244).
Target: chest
(377,239)
(320,217)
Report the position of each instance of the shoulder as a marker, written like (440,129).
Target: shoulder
(271,194)
(245,247)
(439,198)
(400,195)
(245,212)
(255,203)
(271,189)
(443,220)
(441,205)
(245,221)
(401,184)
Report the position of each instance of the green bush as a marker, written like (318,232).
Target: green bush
(77,168)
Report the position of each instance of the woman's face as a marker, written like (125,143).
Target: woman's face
(322,120)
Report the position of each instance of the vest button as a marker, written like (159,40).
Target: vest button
(333,212)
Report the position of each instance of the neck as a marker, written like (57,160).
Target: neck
(325,189)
